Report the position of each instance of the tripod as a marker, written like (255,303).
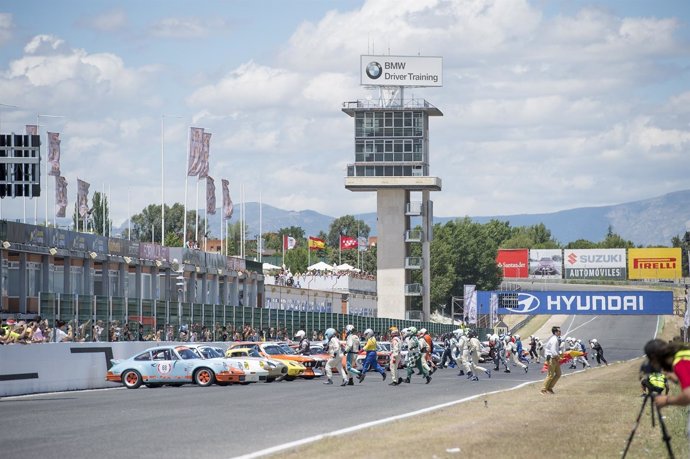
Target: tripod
(649,397)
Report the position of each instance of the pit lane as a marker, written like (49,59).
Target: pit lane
(230,421)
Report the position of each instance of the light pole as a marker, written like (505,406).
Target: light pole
(163,117)
(38,129)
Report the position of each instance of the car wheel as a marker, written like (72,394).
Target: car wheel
(131,379)
(204,377)
(289,378)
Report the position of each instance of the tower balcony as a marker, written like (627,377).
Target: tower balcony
(413,262)
(414,235)
(413,289)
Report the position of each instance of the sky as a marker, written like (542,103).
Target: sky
(548,104)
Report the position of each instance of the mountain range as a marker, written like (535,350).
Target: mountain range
(647,222)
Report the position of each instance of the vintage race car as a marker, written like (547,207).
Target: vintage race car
(173,365)
(273,350)
(277,370)
(253,370)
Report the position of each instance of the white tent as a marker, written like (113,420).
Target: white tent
(270,267)
(345,267)
(320,266)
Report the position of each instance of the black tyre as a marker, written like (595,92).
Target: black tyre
(131,379)
(204,377)
(153,386)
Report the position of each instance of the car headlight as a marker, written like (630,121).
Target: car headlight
(261,363)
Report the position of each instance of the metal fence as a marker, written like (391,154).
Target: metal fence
(151,316)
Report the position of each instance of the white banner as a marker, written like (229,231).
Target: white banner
(413,71)
(595,263)
(546,263)
(470,302)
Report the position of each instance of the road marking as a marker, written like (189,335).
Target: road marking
(366,425)
(579,326)
(19,397)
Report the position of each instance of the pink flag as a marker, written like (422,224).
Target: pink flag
(60,196)
(196,140)
(203,168)
(227,202)
(210,196)
(83,197)
(54,153)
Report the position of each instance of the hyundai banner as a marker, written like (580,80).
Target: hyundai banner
(660,263)
(585,303)
(595,264)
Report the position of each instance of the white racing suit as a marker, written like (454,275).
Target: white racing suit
(473,348)
(463,347)
(335,360)
(351,350)
(396,356)
(424,348)
(511,349)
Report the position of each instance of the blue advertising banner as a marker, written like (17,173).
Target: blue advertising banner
(581,302)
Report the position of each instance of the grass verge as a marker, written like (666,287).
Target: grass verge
(590,416)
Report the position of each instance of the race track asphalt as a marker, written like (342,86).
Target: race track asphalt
(223,422)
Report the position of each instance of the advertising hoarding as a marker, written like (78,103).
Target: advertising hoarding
(513,262)
(655,263)
(595,264)
(586,302)
(546,263)
(414,71)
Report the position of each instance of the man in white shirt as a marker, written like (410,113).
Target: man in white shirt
(553,359)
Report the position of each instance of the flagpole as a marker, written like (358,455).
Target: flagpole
(340,249)
(284,237)
(244,223)
(129,218)
(221,231)
(261,234)
(196,209)
(206,220)
(103,207)
(186,181)
(110,226)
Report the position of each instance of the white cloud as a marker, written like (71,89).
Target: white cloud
(173,27)
(6,27)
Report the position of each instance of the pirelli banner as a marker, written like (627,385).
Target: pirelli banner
(595,264)
(656,263)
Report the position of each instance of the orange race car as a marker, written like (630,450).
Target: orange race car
(314,366)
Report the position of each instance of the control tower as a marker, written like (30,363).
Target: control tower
(392,159)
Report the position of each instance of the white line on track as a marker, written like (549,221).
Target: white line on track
(579,326)
(48,394)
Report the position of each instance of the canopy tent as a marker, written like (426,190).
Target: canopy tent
(320,266)
(270,267)
(345,267)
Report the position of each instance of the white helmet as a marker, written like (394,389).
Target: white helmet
(459,332)
(536,338)
(494,337)
(422,331)
(516,336)
(488,336)
(350,328)
(368,332)
(300,334)
(329,333)
(594,341)
(404,332)
(579,341)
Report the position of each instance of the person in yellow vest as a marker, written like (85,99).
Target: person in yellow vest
(654,383)
(371,361)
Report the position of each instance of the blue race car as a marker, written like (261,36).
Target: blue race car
(172,365)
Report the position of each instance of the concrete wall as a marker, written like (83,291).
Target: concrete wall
(391,252)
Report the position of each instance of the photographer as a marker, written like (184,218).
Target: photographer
(673,357)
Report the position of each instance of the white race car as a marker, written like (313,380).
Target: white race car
(253,369)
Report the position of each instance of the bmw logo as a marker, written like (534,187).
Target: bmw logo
(374,70)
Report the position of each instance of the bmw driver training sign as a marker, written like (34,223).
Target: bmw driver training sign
(592,302)
(413,71)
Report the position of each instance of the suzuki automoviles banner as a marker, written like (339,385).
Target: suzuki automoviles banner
(590,302)
(661,263)
(595,264)
(513,262)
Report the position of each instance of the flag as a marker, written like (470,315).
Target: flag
(348,243)
(227,202)
(493,309)
(362,244)
(471,303)
(316,243)
(206,146)
(54,153)
(196,140)
(686,319)
(31,129)
(210,196)
(60,196)
(289,242)
(83,197)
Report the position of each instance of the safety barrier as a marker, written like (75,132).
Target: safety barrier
(159,315)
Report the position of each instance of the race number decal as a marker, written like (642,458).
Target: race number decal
(164,368)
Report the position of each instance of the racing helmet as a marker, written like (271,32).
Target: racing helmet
(459,332)
(594,341)
(329,333)
(405,331)
(516,336)
(488,336)
(350,328)
(422,331)
(412,330)
(394,330)
(368,332)
(300,334)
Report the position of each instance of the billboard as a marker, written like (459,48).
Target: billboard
(595,264)
(586,302)
(545,264)
(657,263)
(401,71)
(513,262)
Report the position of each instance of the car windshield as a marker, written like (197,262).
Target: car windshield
(273,350)
(254,352)
(287,349)
(186,353)
(210,352)
(384,347)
